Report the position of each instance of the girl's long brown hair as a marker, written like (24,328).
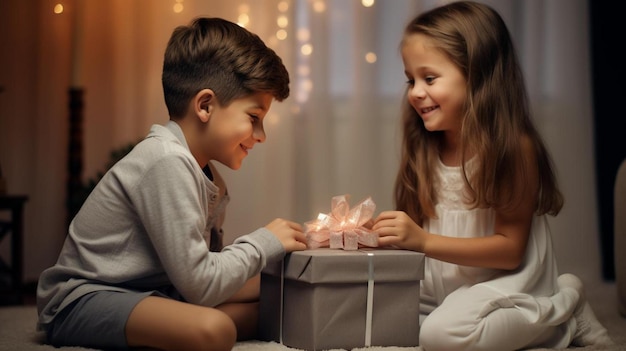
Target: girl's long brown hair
(497,117)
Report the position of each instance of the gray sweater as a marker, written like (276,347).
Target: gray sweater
(145,227)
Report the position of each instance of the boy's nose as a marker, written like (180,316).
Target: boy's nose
(259,134)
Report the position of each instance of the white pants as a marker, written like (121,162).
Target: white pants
(482,318)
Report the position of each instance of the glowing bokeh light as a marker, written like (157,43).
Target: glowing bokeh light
(319,6)
(307,85)
(283,6)
(281,34)
(243,19)
(304,70)
(282,21)
(306,49)
(370,57)
(303,34)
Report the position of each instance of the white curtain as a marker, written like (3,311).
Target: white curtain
(338,133)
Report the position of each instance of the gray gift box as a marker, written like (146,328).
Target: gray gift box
(334,299)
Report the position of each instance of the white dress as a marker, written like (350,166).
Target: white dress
(488,309)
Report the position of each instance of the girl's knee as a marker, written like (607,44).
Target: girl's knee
(434,336)
(439,333)
(448,334)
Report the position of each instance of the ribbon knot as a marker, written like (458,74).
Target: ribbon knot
(343,227)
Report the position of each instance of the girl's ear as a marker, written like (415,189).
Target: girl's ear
(204,102)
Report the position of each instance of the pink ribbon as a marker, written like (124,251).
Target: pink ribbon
(342,228)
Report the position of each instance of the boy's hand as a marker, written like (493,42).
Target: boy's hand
(289,233)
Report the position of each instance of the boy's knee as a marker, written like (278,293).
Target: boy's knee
(217,332)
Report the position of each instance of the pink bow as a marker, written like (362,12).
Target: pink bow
(342,227)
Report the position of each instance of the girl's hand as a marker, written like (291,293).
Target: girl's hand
(288,233)
(369,224)
(396,228)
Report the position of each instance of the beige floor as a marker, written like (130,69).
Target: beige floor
(17,327)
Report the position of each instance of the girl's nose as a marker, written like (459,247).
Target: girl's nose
(417,92)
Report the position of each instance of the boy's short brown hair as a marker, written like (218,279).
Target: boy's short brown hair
(220,55)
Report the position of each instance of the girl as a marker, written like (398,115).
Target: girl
(473,191)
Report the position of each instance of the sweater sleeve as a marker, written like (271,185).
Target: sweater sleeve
(170,200)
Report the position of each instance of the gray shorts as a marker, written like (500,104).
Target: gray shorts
(96,320)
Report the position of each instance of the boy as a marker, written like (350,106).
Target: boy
(136,269)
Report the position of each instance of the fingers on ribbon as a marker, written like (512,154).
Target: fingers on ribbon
(387,240)
(384,225)
(387,215)
(300,237)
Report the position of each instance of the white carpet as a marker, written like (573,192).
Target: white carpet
(273,346)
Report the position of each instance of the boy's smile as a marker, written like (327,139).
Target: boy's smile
(232,130)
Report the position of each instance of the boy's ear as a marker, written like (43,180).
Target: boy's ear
(203,104)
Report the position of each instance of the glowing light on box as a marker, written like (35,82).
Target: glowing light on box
(306,49)
(303,34)
(368,3)
(281,34)
(178,7)
(58,8)
(282,21)
(283,6)
(319,6)
(370,57)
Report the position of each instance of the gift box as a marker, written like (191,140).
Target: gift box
(335,299)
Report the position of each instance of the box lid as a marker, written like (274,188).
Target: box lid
(326,265)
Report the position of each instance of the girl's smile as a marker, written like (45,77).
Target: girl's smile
(423,111)
(437,87)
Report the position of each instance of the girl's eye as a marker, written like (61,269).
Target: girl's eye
(410,82)
(429,80)
(254,118)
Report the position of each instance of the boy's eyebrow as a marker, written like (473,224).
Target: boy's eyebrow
(256,107)
(259,107)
